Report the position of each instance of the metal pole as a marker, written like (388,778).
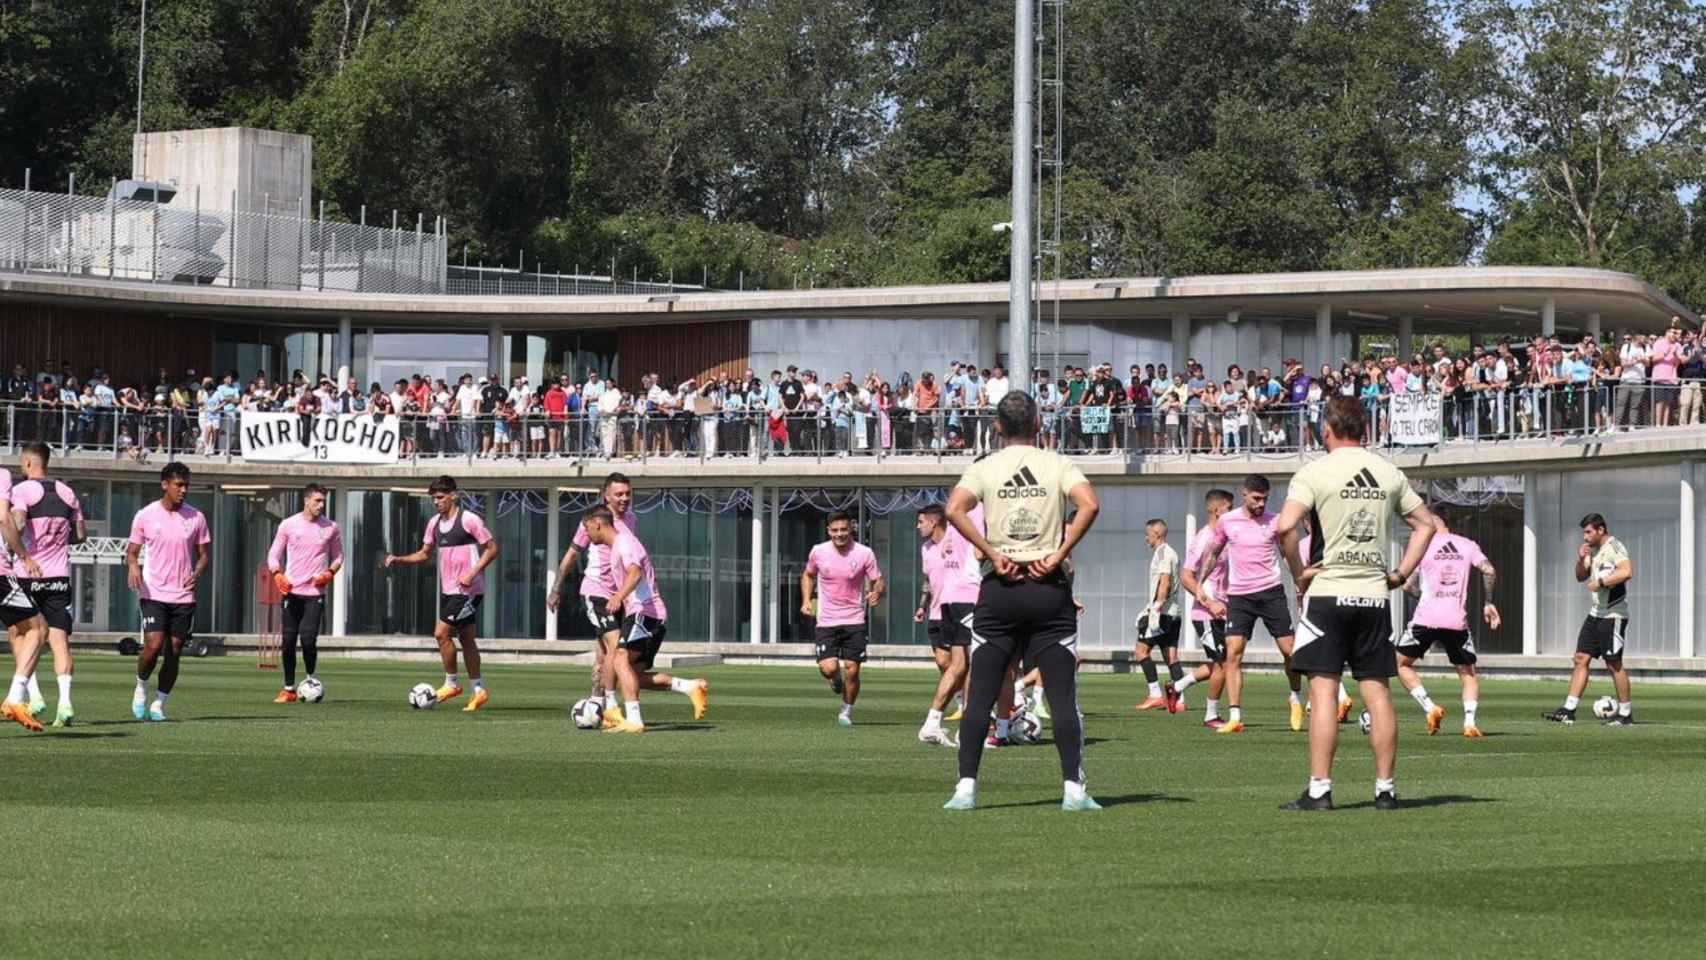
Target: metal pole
(196,244)
(322,282)
(1019,306)
(757,585)
(70,202)
(141,56)
(112,228)
(231,256)
(154,264)
(420,248)
(394,251)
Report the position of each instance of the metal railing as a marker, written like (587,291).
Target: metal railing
(1283,429)
(188,241)
(508,282)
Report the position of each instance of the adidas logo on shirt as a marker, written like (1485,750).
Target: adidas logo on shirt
(1448,550)
(1021,484)
(1363,486)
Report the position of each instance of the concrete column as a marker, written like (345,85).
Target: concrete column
(1594,325)
(1530,565)
(1192,525)
(1685,565)
(495,352)
(774,559)
(1406,338)
(346,351)
(988,343)
(1323,336)
(757,632)
(340,583)
(553,554)
(1181,341)
(1549,317)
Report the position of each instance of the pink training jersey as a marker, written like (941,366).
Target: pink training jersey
(1251,551)
(593,579)
(627,553)
(841,578)
(1215,585)
(963,574)
(930,562)
(5,501)
(458,541)
(51,513)
(168,539)
(1445,581)
(312,546)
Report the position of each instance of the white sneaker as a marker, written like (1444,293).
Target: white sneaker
(139,705)
(157,712)
(963,799)
(931,733)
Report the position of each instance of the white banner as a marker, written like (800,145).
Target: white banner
(1415,419)
(322,438)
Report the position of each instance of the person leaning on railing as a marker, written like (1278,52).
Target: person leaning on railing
(1692,372)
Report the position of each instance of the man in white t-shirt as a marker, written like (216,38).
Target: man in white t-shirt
(467,402)
(609,403)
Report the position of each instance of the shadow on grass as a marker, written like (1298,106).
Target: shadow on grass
(90,735)
(679,727)
(1410,803)
(1119,801)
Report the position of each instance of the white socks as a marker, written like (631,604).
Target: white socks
(141,694)
(1420,694)
(1571,703)
(967,785)
(610,700)
(1293,698)
(933,719)
(1385,786)
(1343,696)
(847,710)
(1625,708)
(450,680)
(1234,715)
(1155,689)
(19,693)
(160,698)
(631,712)
(679,685)
(64,687)
(1185,682)
(1073,790)
(1211,710)
(479,684)
(1320,787)
(34,688)
(1469,712)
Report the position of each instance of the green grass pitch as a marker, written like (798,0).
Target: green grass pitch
(358,827)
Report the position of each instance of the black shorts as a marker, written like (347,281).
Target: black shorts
(1268,606)
(175,620)
(599,615)
(1020,618)
(845,643)
(1165,635)
(1346,631)
(1459,646)
(1212,635)
(459,609)
(934,632)
(642,636)
(52,597)
(1602,637)
(15,603)
(302,617)
(956,624)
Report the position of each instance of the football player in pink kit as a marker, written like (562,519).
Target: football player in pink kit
(171,531)
(50,519)
(24,626)
(837,572)
(1211,631)
(1442,583)
(1250,542)
(307,553)
(618,496)
(952,574)
(633,594)
(465,548)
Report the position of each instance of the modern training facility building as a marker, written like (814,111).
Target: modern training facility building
(213,259)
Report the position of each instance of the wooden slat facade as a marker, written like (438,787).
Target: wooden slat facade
(130,346)
(678,351)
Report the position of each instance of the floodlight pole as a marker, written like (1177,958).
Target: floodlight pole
(1020,313)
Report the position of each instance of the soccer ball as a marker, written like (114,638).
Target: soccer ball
(311,691)
(1366,722)
(1025,728)
(1605,708)
(588,714)
(423,697)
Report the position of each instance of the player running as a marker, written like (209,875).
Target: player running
(837,572)
(951,575)
(465,548)
(634,596)
(1249,540)
(1211,631)
(1158,624)
(1024,606)
(1606,567)
(1442,583)
(306,555)
(24,626)
(169,531)
(618,495)
(48,515)
(1350,496)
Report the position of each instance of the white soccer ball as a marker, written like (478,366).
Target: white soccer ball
(311,691)
(588,714)
(423,697)
(1366,722)
(1025,728)
(1605,708)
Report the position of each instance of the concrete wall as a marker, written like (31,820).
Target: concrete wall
(833,345)
(269,171)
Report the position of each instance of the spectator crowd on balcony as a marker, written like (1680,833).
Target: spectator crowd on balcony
(1543,386)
